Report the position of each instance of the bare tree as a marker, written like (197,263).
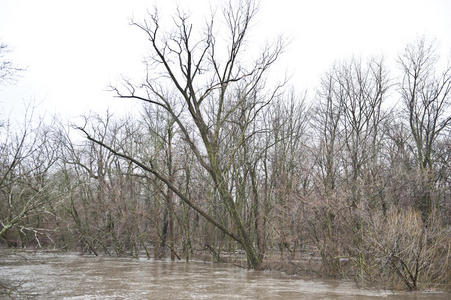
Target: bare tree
(208,91)
(326,120)
(426,96)
(26,157)
(362,92)
(25,185)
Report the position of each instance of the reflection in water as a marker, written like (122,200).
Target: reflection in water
(65,276)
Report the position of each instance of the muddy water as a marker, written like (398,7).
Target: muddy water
(70,276)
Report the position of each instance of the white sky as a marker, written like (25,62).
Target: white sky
(73,49)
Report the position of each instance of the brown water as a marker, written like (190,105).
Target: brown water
(71,276)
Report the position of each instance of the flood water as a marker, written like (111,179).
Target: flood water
(71,276)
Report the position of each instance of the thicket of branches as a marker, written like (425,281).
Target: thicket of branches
(219,161)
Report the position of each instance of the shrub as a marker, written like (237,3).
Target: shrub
(401,250)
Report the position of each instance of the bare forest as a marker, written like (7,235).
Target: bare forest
(226,161)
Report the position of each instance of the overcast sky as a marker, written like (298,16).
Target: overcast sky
(73,49)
